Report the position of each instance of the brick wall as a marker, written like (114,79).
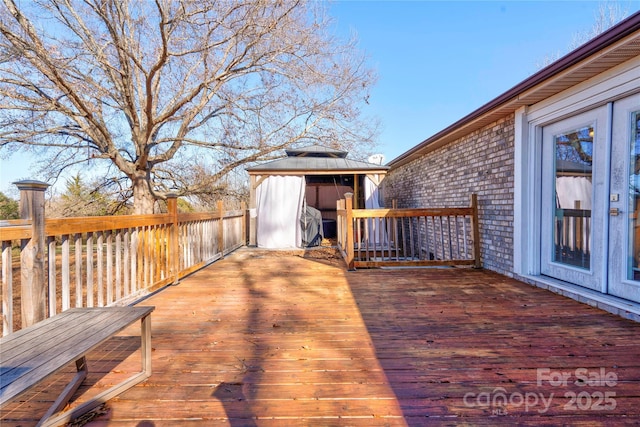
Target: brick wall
(480,163)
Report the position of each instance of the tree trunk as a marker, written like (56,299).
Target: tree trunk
(143,198)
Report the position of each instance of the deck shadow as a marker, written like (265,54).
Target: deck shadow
(472,346)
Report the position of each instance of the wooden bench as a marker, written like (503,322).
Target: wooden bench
(30,355)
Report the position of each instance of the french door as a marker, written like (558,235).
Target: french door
(590,203)
(624,216)
(573,200)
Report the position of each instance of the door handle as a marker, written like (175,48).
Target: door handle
(614,211)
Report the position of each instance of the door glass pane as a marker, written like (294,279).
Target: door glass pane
(573,193)
(633,264)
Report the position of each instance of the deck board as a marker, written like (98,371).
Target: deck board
(269,339)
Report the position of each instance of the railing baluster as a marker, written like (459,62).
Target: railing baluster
(396,242)
(153,254)
(146,242)
(405,240)
(118,271)
(434,237)
(372,238)
(387,235)
(140,258)
(144,253)
(51,252)
(164,252)
(450,242)
(133,255)
(200,228)
(189,245)
(100,268)
(66,273)
(426,237)
(193,252)
(398,238)
(127,261)
(7,288)
(109,283)
(456,221)
(89,269)
(411,242)
(181,249)
(78,259)
(465,240)
(365,238)
(358,239)
(419,238)
(443,253)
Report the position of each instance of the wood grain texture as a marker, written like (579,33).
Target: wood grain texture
(268,339)
(31,355)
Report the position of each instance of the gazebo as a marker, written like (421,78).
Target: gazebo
(315,177)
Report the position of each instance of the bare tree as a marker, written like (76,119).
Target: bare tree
(152,87)
(609,13)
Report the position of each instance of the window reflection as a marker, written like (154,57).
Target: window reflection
(573,191)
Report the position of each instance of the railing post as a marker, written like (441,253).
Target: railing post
(243,206)
(33,285)
(174,243)
(221,226)
(348,197)
(340,206)
(475,230)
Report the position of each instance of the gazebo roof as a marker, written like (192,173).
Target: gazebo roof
(316,151)
(317,160)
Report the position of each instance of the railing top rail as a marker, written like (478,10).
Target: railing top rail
(410,212)
(14,222)
(61,226)
(203,216)
(15,233)
(21,228)
(238,212)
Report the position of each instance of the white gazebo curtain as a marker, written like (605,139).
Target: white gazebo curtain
(377,233)
(279,202)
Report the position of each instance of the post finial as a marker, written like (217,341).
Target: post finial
(31,184)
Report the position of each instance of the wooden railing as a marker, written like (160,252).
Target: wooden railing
(103,261)
(408,237)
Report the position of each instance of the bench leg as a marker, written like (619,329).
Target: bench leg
(145,350)
(61,401)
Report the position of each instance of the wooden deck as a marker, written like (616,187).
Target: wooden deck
(269,339)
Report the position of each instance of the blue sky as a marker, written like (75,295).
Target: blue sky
(439,61)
